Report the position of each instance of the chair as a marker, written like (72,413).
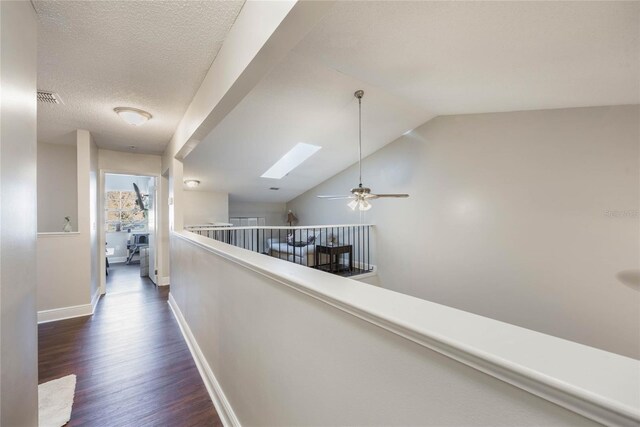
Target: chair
(136,242)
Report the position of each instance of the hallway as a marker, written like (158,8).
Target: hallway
(132,365)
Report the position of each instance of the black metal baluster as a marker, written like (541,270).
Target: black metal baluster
(301,247)
(355,244)
(364,255)
(327,242)
(337,237)
(316,242)
(368,249)
(359,248)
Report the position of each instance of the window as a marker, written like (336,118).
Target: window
(122,213)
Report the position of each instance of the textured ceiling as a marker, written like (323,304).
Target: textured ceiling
(103,54)
(416,60)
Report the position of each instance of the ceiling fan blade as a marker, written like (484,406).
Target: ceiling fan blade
(378,196)
(335,197)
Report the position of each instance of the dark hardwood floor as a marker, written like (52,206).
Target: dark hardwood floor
(132,364)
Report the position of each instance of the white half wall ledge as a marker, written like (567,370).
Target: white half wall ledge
(55,314)
(596,384)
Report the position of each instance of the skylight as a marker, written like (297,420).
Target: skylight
(291,160)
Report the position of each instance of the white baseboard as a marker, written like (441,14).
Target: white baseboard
(163,281)
(223,407)
(55,314)
(116,259)
(94,300)
(62,313)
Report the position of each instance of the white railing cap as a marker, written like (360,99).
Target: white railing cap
(600,385)
(272,227)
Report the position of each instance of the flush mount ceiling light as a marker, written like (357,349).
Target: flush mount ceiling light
(360,196)
(291,160)
(191,183)
(133,116)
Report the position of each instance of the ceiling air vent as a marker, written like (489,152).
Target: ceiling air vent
(49,97)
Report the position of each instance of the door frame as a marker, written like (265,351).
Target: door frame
(101,221)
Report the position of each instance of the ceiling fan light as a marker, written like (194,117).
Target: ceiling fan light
(361,194)
(364,205)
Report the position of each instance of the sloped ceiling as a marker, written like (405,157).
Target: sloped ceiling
(298,102)
(416,60)
(477,57)
(103,54)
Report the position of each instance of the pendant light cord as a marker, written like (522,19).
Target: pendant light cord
(360,138)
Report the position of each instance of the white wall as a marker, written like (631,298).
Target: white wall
(62,282)
(69,263)
(127,162)
(163,229)
(299,360)
(203,207)
(274,213)
(96,249)
(18,218)
(57,186)
(527,217)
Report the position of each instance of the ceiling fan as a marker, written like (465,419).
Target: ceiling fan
(361,195)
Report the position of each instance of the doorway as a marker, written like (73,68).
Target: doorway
(129,228)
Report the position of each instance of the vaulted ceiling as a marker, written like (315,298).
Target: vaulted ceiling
(151,55)
(416,60)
